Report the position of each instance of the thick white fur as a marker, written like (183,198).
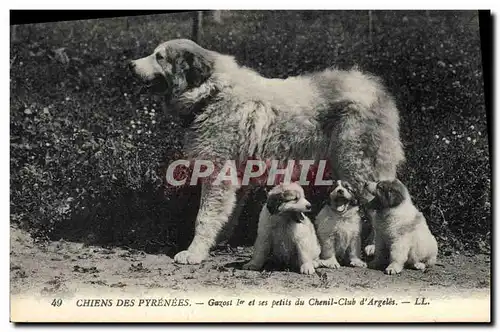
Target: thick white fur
(288,242)
(403,238)
(339,236)
(344,116)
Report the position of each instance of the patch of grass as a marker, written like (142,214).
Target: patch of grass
(87,149)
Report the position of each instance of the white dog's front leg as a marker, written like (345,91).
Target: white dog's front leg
(370,247)
(355,253)
(262,246)
(398,256)
(241,199)
(306,263)
(217,204)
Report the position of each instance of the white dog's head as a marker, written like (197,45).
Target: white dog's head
(342,196)
(288,199)
(388,194)
(174,67)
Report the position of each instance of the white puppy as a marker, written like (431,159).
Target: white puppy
(338,226)
(402,237)
(284,233)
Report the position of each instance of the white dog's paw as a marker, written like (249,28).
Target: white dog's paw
(356,262)
(252,266)
(393,269)
(307,268)
(187,257)
(419,266)
(370,250)
(329,263)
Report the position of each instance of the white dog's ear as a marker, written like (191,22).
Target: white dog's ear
(274,201)
(394,198)
(391,194)
(199,68)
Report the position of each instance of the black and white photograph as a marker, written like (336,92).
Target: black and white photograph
(251,166)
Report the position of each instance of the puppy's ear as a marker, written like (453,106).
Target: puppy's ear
(394,196)
(273,202)
(200,69)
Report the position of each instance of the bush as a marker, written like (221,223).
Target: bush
(87,149)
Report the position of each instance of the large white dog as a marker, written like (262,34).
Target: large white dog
(344,116)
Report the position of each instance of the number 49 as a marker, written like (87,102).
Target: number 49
(56,302)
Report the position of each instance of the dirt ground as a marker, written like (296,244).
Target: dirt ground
(64,268)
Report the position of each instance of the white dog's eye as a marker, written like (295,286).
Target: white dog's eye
(159,56)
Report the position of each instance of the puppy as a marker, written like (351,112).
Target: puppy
(284,233)
(338,227)
(402,237)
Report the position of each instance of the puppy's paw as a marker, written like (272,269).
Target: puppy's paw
(307,268)
(370,250)
(329,263)
(187,257)
(252,266)
(419,266)
(356,262)
(393,269)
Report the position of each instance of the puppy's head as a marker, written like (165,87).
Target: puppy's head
(288,199)
(388,194)
(174,67)
(342,197)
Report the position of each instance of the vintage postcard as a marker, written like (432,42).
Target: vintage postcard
(250,166)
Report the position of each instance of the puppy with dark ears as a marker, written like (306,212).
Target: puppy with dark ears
(402,236)
(285,234)
(338,226)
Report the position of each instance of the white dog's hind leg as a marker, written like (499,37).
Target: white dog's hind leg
(217,204)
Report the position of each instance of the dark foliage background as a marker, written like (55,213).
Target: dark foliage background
(87,148)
